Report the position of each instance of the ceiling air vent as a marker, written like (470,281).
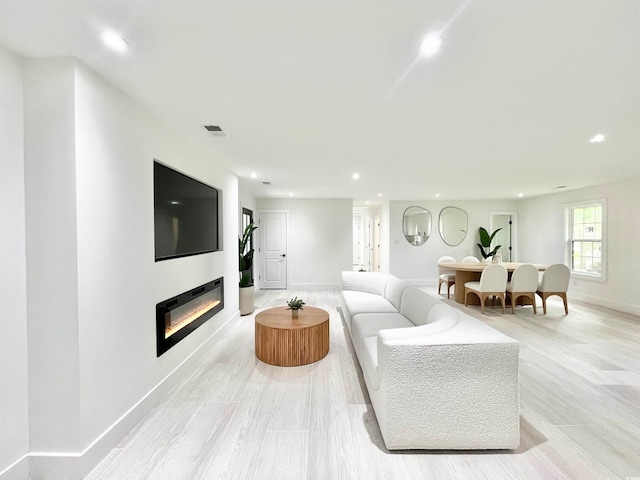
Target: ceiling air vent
(266,183)
(216,131)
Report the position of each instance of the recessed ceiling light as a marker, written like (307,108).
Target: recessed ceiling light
(597,138)
(379,195)
(437,194)
(521,194)
(355,176)
(291,194)
(254,175)
(114,41)
(431,45)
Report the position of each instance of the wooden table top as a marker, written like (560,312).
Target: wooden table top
(280,317)
(478,267)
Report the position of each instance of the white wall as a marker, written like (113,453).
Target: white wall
(245,200)
(418,264)
(51,255)
(542,240)
(116,144)
(320,239)
(92,280)
(14,419)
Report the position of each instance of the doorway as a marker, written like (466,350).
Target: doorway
(507,237)
(376,244)
(358,243)
(273,250)
(366,239)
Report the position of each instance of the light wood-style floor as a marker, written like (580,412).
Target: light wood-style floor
(236,417)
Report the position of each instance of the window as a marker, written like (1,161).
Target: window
(586,239)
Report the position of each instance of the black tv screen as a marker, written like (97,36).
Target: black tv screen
(185,214)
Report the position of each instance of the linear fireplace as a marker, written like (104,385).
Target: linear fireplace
(177,317)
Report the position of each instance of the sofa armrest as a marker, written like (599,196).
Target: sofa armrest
(450,330)
(416,335)
(460,380)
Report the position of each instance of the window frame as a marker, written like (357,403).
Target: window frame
(569,208)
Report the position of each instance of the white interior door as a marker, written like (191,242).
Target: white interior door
(358,246)
(508,222)
(369,244)
(273,250)
(376,243)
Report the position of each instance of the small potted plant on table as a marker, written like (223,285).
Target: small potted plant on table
(294,305)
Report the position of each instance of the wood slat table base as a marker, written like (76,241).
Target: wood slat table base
(287,342)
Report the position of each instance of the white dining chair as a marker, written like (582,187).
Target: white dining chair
(446,275)
(555,281)
(493,282)
(470,259)
(524,283)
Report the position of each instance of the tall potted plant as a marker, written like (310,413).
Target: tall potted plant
(485,243)
(247,290)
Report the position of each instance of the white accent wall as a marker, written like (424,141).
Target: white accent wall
(320,240)
(14,415)
(418,264)
(82,280)
(542,240)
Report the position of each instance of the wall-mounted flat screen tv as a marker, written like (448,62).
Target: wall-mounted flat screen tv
(185,214)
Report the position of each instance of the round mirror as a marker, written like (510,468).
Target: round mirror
(452,225)
(416,225)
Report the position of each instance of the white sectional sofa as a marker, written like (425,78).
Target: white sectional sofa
(437,378)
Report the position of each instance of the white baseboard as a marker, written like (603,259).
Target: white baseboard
(18,470)
(604,302)
(314,286)
(421,282)
(74,465)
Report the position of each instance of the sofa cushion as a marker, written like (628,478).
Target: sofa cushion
(354,303)
(416,304)
(393,291)
(368,324)
(443,318)
(368,359)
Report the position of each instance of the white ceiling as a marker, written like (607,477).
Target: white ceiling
(311,91)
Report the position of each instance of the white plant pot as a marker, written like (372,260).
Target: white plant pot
(247,300)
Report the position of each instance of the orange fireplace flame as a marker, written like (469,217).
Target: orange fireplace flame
(188,317)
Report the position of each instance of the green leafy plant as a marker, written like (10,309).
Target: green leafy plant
(485,243)
(295,304)
(246,255)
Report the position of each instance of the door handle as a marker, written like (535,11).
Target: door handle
(283,255)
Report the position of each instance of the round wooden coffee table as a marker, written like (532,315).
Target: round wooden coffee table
(287,342)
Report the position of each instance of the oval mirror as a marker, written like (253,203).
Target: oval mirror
(452,225)
(416,225)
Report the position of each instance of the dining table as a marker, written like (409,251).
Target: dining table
(471,271)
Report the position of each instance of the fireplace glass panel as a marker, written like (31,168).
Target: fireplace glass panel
(180,317)
(177,317)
